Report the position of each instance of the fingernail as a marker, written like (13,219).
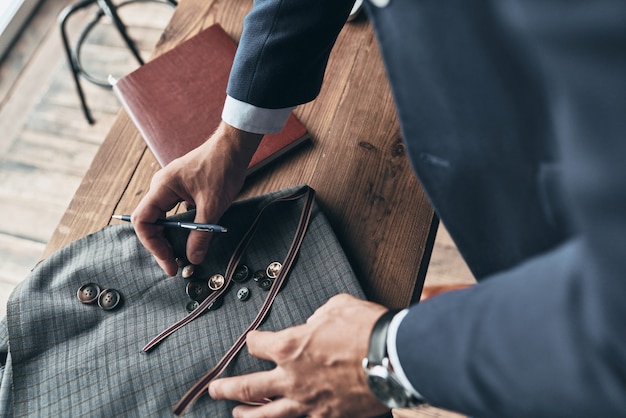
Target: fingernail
(172,271)
(212,392)
(197,257)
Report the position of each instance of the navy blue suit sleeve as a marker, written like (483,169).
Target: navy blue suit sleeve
(284,50)
(548,337)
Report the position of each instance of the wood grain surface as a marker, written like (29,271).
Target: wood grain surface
(356,162)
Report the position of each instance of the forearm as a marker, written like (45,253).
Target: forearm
(547,337)
(284,49)
(238,141)
(531,339)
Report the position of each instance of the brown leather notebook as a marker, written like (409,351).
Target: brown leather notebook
(176,100)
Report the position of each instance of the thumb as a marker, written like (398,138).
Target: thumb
(198,241)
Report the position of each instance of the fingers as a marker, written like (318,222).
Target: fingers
(198,241)
(262,344)
(338,305)
(249,388)
(154,206)
(207,178)
(277,346)
(166,191)
(152,238)
(281,408)
(265,345)
(318,366)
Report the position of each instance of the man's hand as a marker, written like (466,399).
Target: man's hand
(318,366)
(209,178)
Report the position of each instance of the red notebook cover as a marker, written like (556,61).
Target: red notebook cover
(176,100)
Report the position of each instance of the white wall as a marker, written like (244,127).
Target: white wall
(13,15)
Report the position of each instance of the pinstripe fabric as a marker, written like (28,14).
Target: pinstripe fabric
(70,359)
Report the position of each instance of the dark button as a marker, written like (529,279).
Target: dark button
(242,273)
(109,299)
(198,290)
(259,275)
(192,305)
(88,293)
(243,293)
(216,282)
(265,283)
(273,269)
(216,304)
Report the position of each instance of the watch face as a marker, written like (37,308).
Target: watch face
(386,388)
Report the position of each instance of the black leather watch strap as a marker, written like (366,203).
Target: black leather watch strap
(378,339)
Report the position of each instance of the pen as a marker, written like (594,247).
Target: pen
(177,224)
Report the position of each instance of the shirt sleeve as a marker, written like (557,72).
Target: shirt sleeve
(254,119)
(392,333)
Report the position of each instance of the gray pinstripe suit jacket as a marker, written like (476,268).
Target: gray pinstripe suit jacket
(64,358)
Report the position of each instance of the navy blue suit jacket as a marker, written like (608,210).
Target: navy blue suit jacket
(514,116)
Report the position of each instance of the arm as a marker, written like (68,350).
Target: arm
(280,63)
(284,49)
(547,338)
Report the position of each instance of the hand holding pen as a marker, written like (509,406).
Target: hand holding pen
(209,178)
(176,224)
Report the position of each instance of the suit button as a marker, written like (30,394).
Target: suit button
(187,271)
(265,283)
(258,276)
(217,303)
(197,290)
(109,299)
(88,293)
(241,274)
(243,294)
(273,270)
(192,305)
(216,282)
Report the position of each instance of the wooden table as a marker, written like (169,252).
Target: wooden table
(357,162)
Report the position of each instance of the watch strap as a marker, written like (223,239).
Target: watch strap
(378,339)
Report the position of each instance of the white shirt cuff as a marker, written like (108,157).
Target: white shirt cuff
(249,118)
(392,332)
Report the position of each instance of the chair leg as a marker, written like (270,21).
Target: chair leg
(108,8)
(63,17)
(111,11)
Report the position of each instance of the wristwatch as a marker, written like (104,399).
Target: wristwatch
(381,379)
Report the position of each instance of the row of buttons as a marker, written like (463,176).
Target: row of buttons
(107,299)
(198,290)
